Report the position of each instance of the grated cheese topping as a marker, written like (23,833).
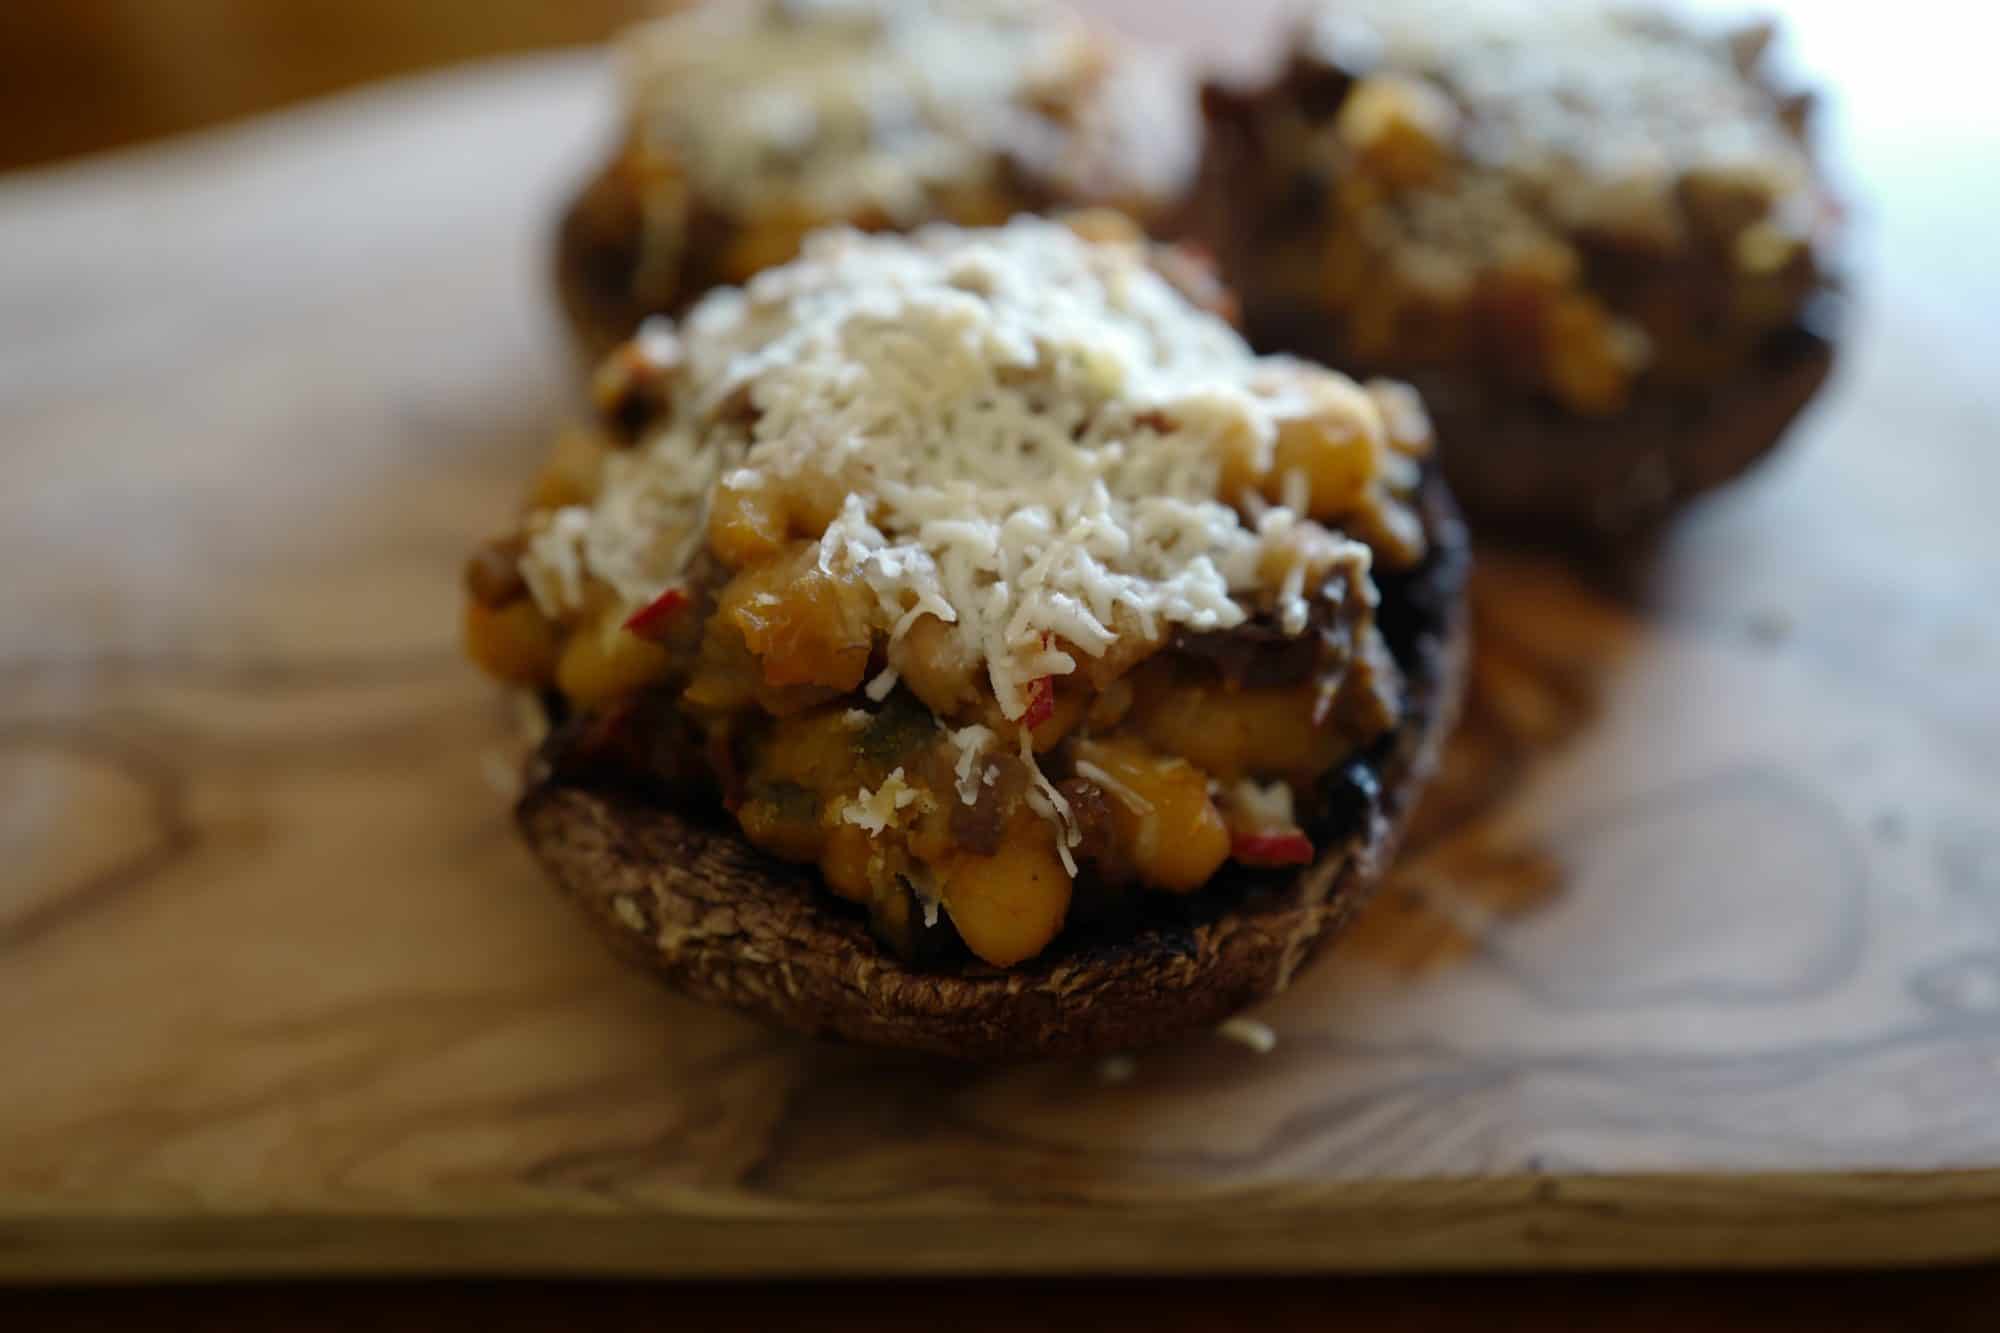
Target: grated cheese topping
(1263,805)
(876,810)
(1028,427)
(1050,804)
(1131,799)
(881,686)
(840,104)
(971,743)
(642,532)
(1596,109)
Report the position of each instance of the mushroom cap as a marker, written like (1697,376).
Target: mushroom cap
(682,894)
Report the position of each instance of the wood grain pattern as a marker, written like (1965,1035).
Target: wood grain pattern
(1695,959)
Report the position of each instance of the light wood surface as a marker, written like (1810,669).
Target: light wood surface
(1695,959)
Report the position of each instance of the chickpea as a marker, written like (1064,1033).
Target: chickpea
(493,574)
(1393,531)
(1401,127)
(1068,707)
(725,675)
(1582,352)
(1233,733)
(1313,549)
(934,666)
(1008,906)
(1132,646)
(804,626)
(815,751)
(1110,705)
(799,624)
(1763,248)
(1404,420)
(570,475)
(746,526)
(1104,226)
(1336,452)
(1065,715)
(515,642)
(1535,264)
(766,243)
(814,501)
(1180,840)
(602,662)
(1245,459)
(976,206)
(845,861)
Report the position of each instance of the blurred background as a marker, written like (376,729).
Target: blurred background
(84,75)
(88,74)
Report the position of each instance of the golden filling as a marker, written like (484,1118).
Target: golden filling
(1566,197)
(868,741)
(753,124)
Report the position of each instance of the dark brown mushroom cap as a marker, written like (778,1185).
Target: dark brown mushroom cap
(683,895)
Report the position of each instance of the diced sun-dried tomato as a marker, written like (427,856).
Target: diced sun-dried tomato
(1272,849)
(652,619)
(1041,694)
(1041,702)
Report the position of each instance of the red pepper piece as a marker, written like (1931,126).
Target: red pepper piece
(1041,702)
(652,619)
(1272,849)
(1041,695)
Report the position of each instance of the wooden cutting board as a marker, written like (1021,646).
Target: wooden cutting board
(1694,959)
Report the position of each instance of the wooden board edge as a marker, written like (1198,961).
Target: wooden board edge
(1576,1223)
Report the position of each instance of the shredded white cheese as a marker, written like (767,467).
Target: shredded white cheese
(1132,800)
(971,742)
(1050,804)
(840,104)
(878,689)
(553,566)
(875,811)
(1593,110)
(1029,428)
(1262,806)
(1029,431)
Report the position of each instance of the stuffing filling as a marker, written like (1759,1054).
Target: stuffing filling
(751,124)
(1564,197)
(987,571)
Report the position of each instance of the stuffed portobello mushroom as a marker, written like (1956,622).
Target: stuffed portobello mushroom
(749,123)
(1593,236)
(963,641)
